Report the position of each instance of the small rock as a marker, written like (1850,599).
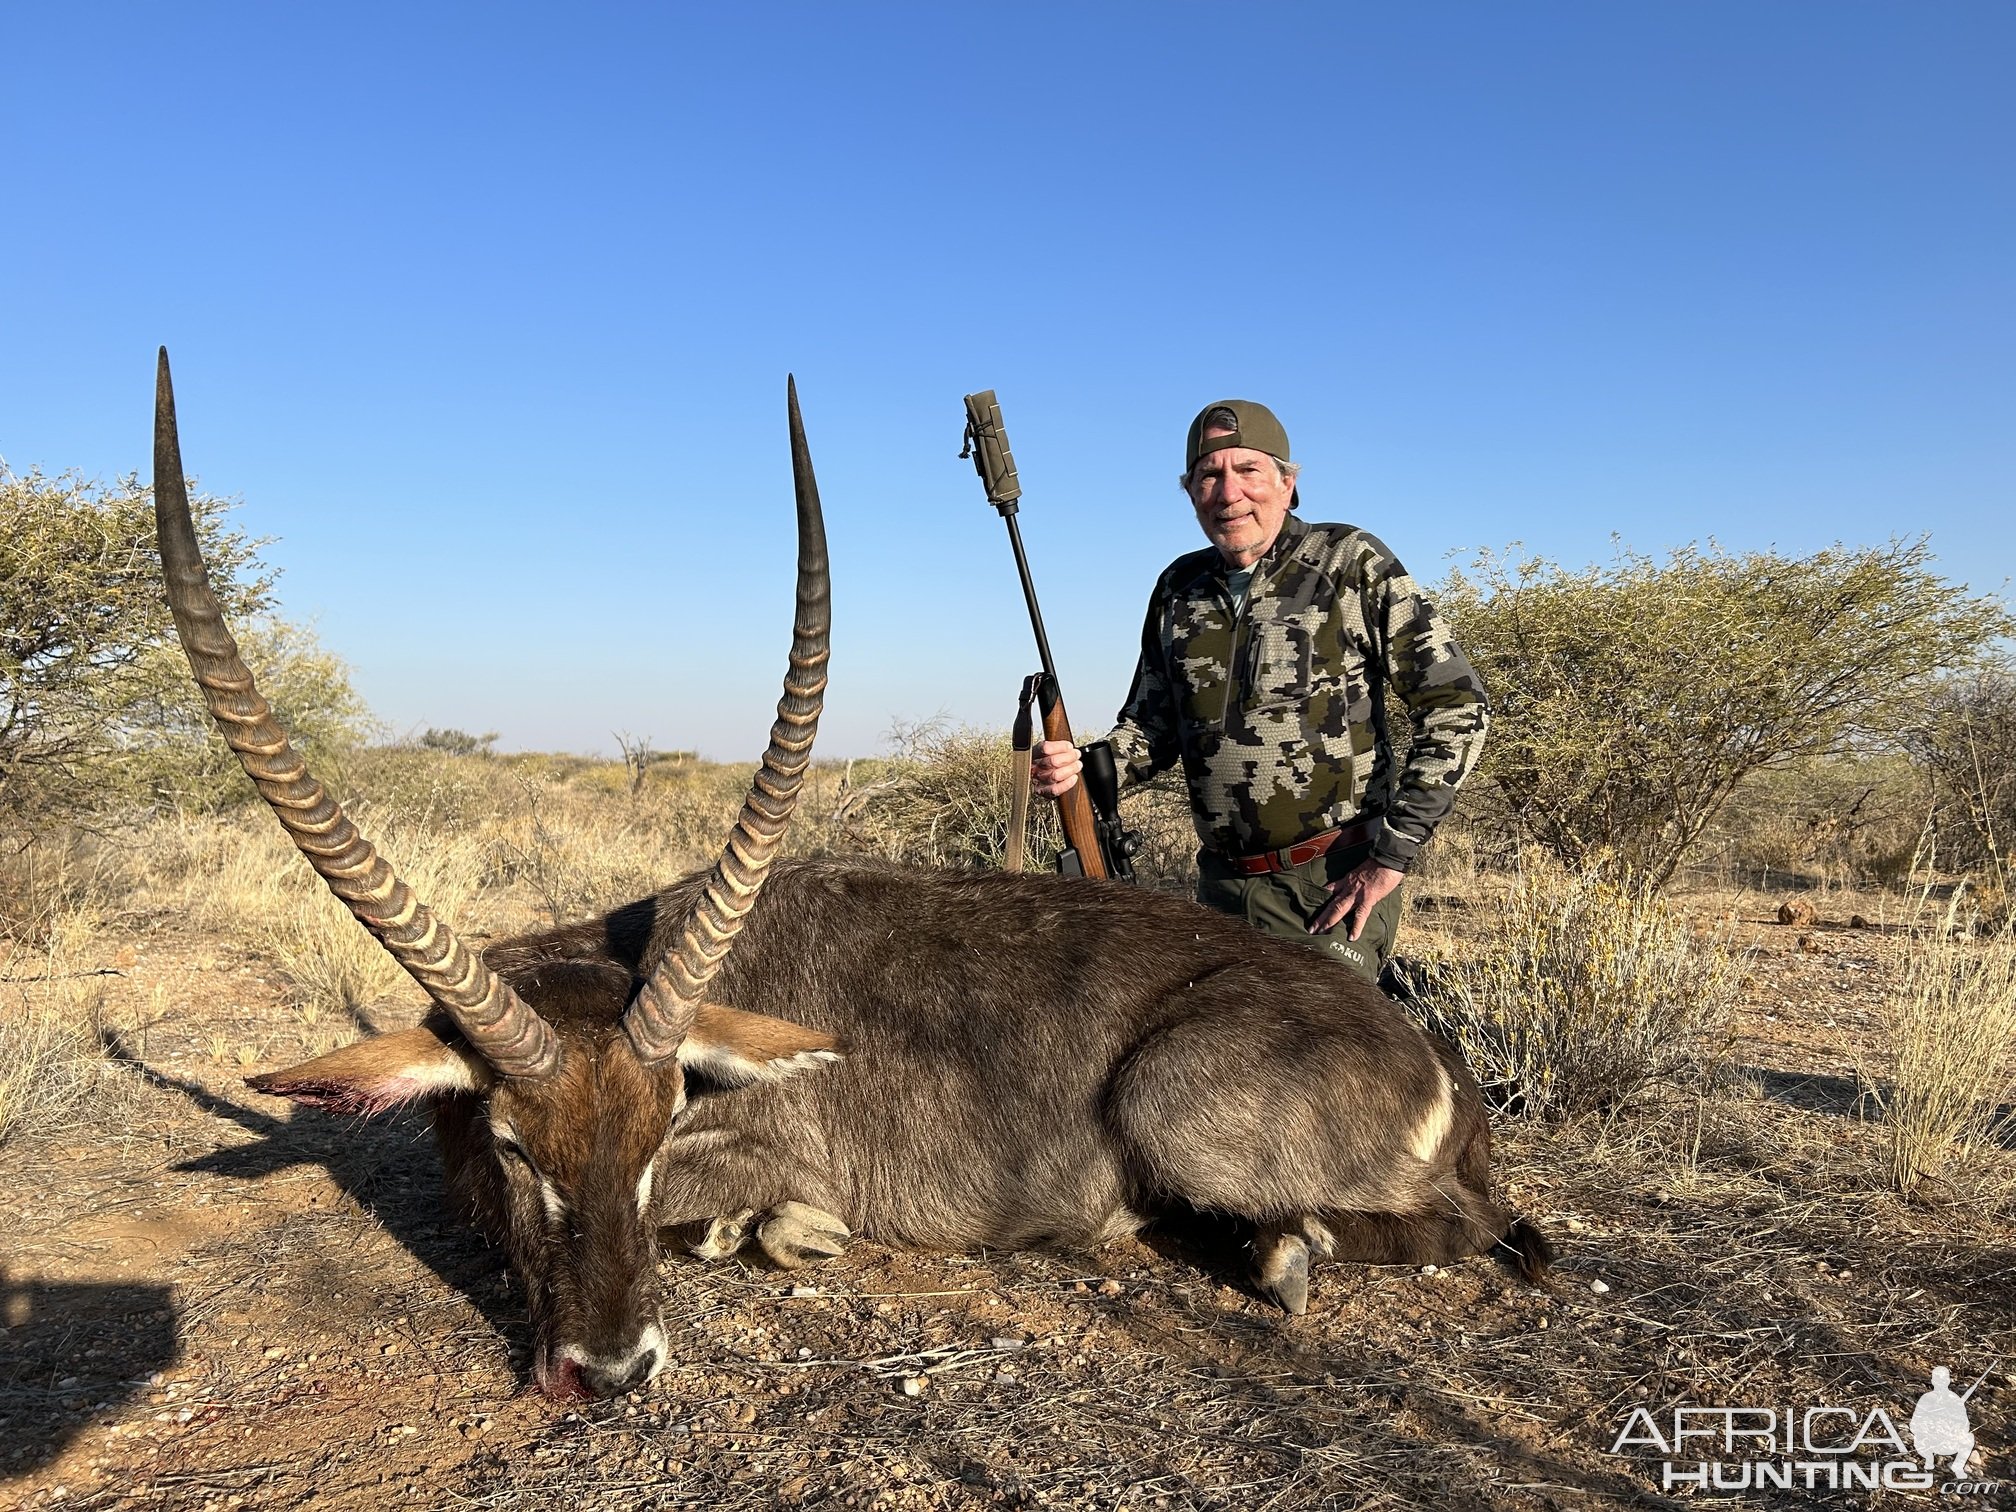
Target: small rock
(1110,1288)
(272,1352)
(804,1291)
(914,1385)
(1430,1270)
(1599,1287)
(1576,1225)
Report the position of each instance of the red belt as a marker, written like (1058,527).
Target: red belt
(1295,855)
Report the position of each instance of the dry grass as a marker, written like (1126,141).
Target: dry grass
(1950,1078)
(52,1030)
(946,798)
(239,876)
(1583,994)
(580,848)
(943,799)
(492,846)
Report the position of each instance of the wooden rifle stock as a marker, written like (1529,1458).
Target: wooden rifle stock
(1074,808)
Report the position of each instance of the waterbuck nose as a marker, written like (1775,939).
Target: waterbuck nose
(627,1377)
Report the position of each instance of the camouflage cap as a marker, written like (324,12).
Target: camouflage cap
(1252,425)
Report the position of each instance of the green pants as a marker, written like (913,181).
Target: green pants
(1283,903)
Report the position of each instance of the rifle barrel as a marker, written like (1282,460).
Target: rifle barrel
(1029,593)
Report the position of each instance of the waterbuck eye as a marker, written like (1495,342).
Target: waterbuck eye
(511,1150)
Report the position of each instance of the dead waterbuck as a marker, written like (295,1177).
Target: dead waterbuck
(941,1060)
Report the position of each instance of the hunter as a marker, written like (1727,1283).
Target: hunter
(1263,660)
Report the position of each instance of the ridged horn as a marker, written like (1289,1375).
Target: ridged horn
(498,1024)
(674,981)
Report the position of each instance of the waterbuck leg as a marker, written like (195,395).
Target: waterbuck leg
(1462,1223)
(1282,1256)
(796,1234)
(723,1236)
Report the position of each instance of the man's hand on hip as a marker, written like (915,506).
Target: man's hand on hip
(1053,768)
(1354,895)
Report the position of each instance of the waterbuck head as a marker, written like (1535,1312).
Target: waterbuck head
(555,1067)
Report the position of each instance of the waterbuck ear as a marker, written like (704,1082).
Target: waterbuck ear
(734,1048)
(386,1071)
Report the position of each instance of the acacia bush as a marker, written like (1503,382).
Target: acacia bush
(455,742)
(1634,700)
(165,748)
(1839,820)
(1966,747)
(97,708)
(81,607)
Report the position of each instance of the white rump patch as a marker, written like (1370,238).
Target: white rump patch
(1435,1123)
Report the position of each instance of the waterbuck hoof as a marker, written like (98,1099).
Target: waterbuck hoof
(1282,1273)
(796,1234)
(724,1236)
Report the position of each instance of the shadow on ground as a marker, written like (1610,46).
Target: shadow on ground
(386,1165)
(66,1351)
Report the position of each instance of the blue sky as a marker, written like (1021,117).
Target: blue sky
(484,311)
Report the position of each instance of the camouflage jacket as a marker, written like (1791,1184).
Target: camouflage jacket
(1275,710)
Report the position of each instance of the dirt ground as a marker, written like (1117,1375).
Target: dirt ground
(225,1302)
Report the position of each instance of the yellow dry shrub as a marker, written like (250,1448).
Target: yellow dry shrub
(52,1027)
(1950,1029)
(1585,994)
(241,877)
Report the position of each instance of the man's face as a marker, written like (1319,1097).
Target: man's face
(1241,500)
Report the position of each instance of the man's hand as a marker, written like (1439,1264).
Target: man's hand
(1053,768)
(1354,895)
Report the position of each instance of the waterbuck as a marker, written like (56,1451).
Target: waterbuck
(934,1059)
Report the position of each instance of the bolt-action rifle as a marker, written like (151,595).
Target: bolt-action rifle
(1095,843)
